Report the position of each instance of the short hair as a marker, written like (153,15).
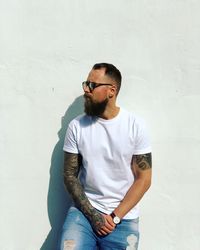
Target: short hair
(112,72)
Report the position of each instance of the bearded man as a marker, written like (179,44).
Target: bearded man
(107,168)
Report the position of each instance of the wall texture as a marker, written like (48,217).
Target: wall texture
(46,51)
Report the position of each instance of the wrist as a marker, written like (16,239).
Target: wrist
(116,219)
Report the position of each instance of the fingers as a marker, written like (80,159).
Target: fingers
(108,227)
(104,231)
(109,220)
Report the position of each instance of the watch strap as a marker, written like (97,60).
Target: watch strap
(113,215)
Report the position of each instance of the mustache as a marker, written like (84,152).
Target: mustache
(86,96)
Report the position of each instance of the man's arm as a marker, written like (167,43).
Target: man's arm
(141,166)
(72,164)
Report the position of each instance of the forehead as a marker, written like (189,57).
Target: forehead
(97,75)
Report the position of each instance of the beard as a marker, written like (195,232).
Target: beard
(94,108)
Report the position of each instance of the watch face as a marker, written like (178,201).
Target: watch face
(116,220)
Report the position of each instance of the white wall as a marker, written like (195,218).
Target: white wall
(46,51)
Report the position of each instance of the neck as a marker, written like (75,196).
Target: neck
(110,112)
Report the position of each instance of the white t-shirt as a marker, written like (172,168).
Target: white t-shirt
(107,147)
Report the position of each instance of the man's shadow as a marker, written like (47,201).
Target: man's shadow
(58,199)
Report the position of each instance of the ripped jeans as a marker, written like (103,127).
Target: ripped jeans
(77,234)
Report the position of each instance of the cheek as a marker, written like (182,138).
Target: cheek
(100,96)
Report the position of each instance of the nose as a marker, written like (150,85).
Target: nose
(86,89)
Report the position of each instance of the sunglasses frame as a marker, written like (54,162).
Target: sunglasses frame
(93,85)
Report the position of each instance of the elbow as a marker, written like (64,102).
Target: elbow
(144,183)
(67,181)
(70,182)
(147,184)
(145,179)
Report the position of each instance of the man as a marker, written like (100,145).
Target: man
(107,168)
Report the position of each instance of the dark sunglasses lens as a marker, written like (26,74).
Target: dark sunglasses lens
(90,85)
(85,84)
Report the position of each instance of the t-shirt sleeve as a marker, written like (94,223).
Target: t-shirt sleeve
(142,140)
(70,143)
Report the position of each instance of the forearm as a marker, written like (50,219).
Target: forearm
(79,197)
(132,197)
(75,189)
(141,166)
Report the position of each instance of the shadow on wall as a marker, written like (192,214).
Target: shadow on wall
(58,199)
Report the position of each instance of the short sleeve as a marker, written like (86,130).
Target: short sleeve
(142,140)
(70,143)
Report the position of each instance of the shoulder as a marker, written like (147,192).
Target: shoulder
(80,121)
(132,117)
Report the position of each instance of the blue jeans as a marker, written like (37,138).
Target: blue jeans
(77,234)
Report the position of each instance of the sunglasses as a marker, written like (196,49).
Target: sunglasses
(93,85)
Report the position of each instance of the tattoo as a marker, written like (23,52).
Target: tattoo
(144,161)
(72,163)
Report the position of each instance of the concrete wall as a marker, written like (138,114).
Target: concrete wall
(46,51)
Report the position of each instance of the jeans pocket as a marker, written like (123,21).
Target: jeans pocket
(133,224)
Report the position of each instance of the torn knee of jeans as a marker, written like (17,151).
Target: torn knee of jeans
(132,241)
(69,244)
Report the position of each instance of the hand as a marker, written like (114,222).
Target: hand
(108,225)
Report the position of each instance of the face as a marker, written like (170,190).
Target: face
(97,100)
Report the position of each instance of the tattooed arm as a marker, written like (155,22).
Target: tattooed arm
(141,167)
(72,164)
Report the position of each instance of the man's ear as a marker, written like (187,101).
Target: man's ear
(113,91)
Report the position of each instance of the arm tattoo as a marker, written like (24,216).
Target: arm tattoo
(72,164)
(144,161)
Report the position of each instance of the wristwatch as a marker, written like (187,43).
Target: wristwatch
(116,219)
